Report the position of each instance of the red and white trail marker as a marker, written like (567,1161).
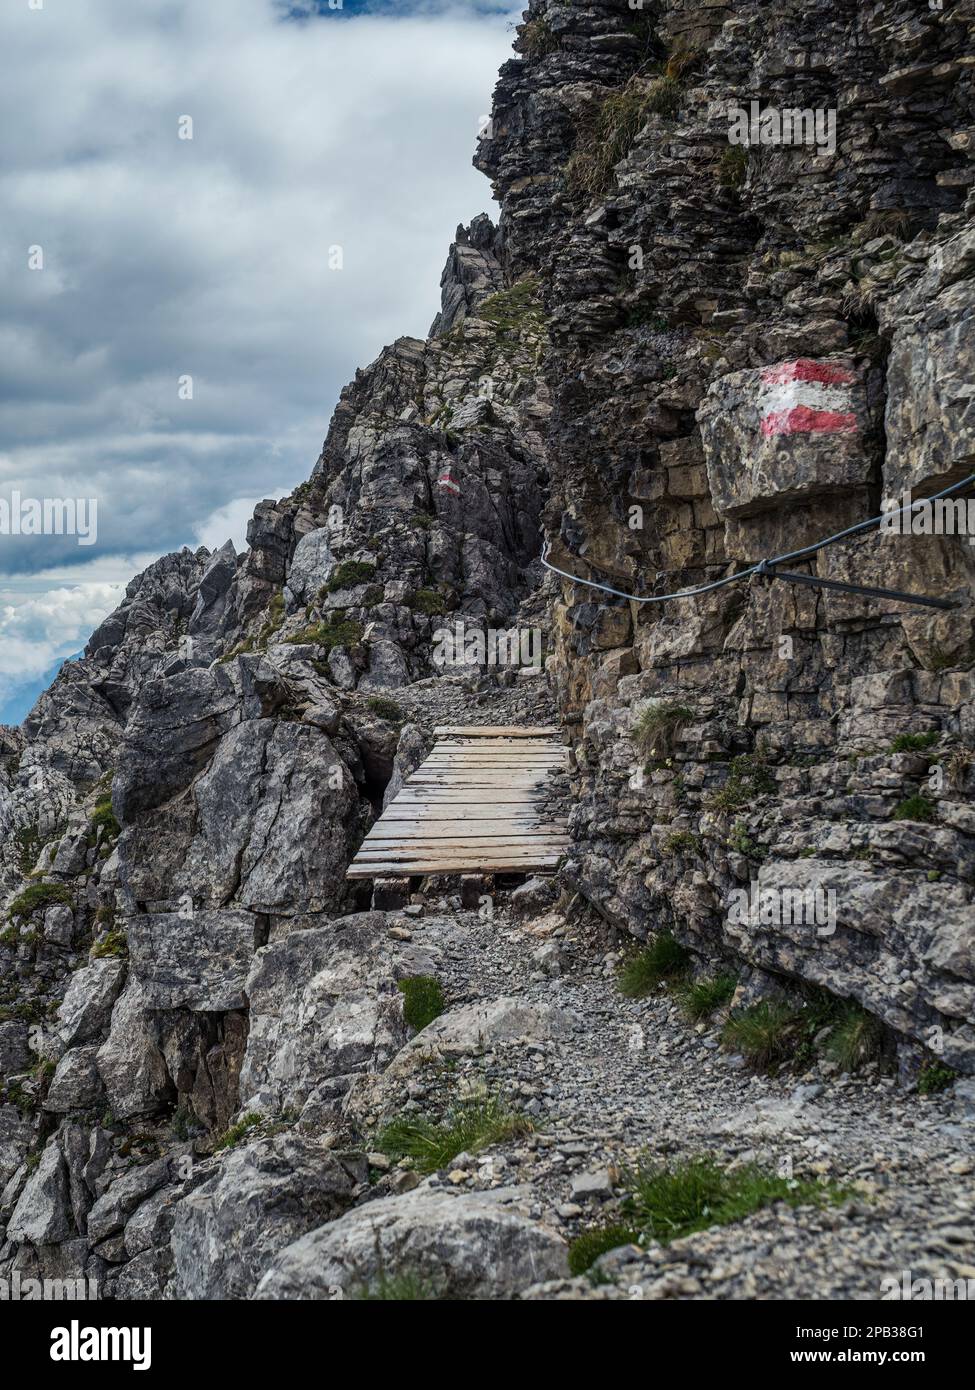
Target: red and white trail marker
(806,397)
(448,483)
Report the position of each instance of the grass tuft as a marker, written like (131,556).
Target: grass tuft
(586,1249)
(113,943)
(934,1077)
(333,631)
(701,998)
(469,1126)
(733,167)
(28,842)
(37,896)
(237,1132)
(430,602)
(386,709)
(103,817)
(914,743)
(683,842)
(748,777)
(658,725)
(609,135)
(664,959)
(349,574)
(915,808)
(669,1203)
(536,39)
(856,1039)
(765,1034)
(423,1000)
(396,1288)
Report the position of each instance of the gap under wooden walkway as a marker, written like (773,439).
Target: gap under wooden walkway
(482,802)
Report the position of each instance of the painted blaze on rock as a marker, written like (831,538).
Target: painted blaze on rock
(789,431)
(806,397)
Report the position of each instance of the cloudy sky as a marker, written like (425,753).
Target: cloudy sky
(132,259)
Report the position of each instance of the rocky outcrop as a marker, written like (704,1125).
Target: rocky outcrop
(458,1248)
(220,1251)
(324,1007)
(752,348)
(673,359)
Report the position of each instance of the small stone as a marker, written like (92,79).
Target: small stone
(381,1162)
(400,934)
(596,1185)
(405,1180)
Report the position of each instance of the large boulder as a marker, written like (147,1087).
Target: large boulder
(196,959)
(129,1061)
(324,1004)
(87,1005)
(905,950)
(75,1084)
(42,1215)
(263,1198)
(172,734)
(311,565)
(478,1027)
(275,818)
(476,1247)
(786,433)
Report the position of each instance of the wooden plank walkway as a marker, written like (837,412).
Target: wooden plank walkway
(480,803)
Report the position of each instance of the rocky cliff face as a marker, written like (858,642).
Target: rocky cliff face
(678,280)
(675,357)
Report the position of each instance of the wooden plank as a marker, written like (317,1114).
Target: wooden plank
(523,806)
(458,815)
(473,830)
(495,731)
(417,844)
(474,825)
(462,858)
(501,755)
(505,754)
(487,862)
(547,743)
(474,861)
(478,816)
(489,748)
(543,757)
(488,770)
(492,781)
(526,760)
(484,800)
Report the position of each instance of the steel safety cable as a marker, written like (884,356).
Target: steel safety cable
(763,567)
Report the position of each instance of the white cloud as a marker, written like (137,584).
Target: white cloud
(209,257)
(227,523)
(37,631)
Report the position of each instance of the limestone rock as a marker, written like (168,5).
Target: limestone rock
(263,1198)
(43,1213)
(91,994)
(476,1247)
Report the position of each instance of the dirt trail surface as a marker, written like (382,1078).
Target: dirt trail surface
(632,1079)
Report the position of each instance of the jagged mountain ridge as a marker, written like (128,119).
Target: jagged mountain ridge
(227,699)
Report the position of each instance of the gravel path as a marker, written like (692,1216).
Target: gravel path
(635,1078)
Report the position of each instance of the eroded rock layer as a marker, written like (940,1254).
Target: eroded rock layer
(674,357)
